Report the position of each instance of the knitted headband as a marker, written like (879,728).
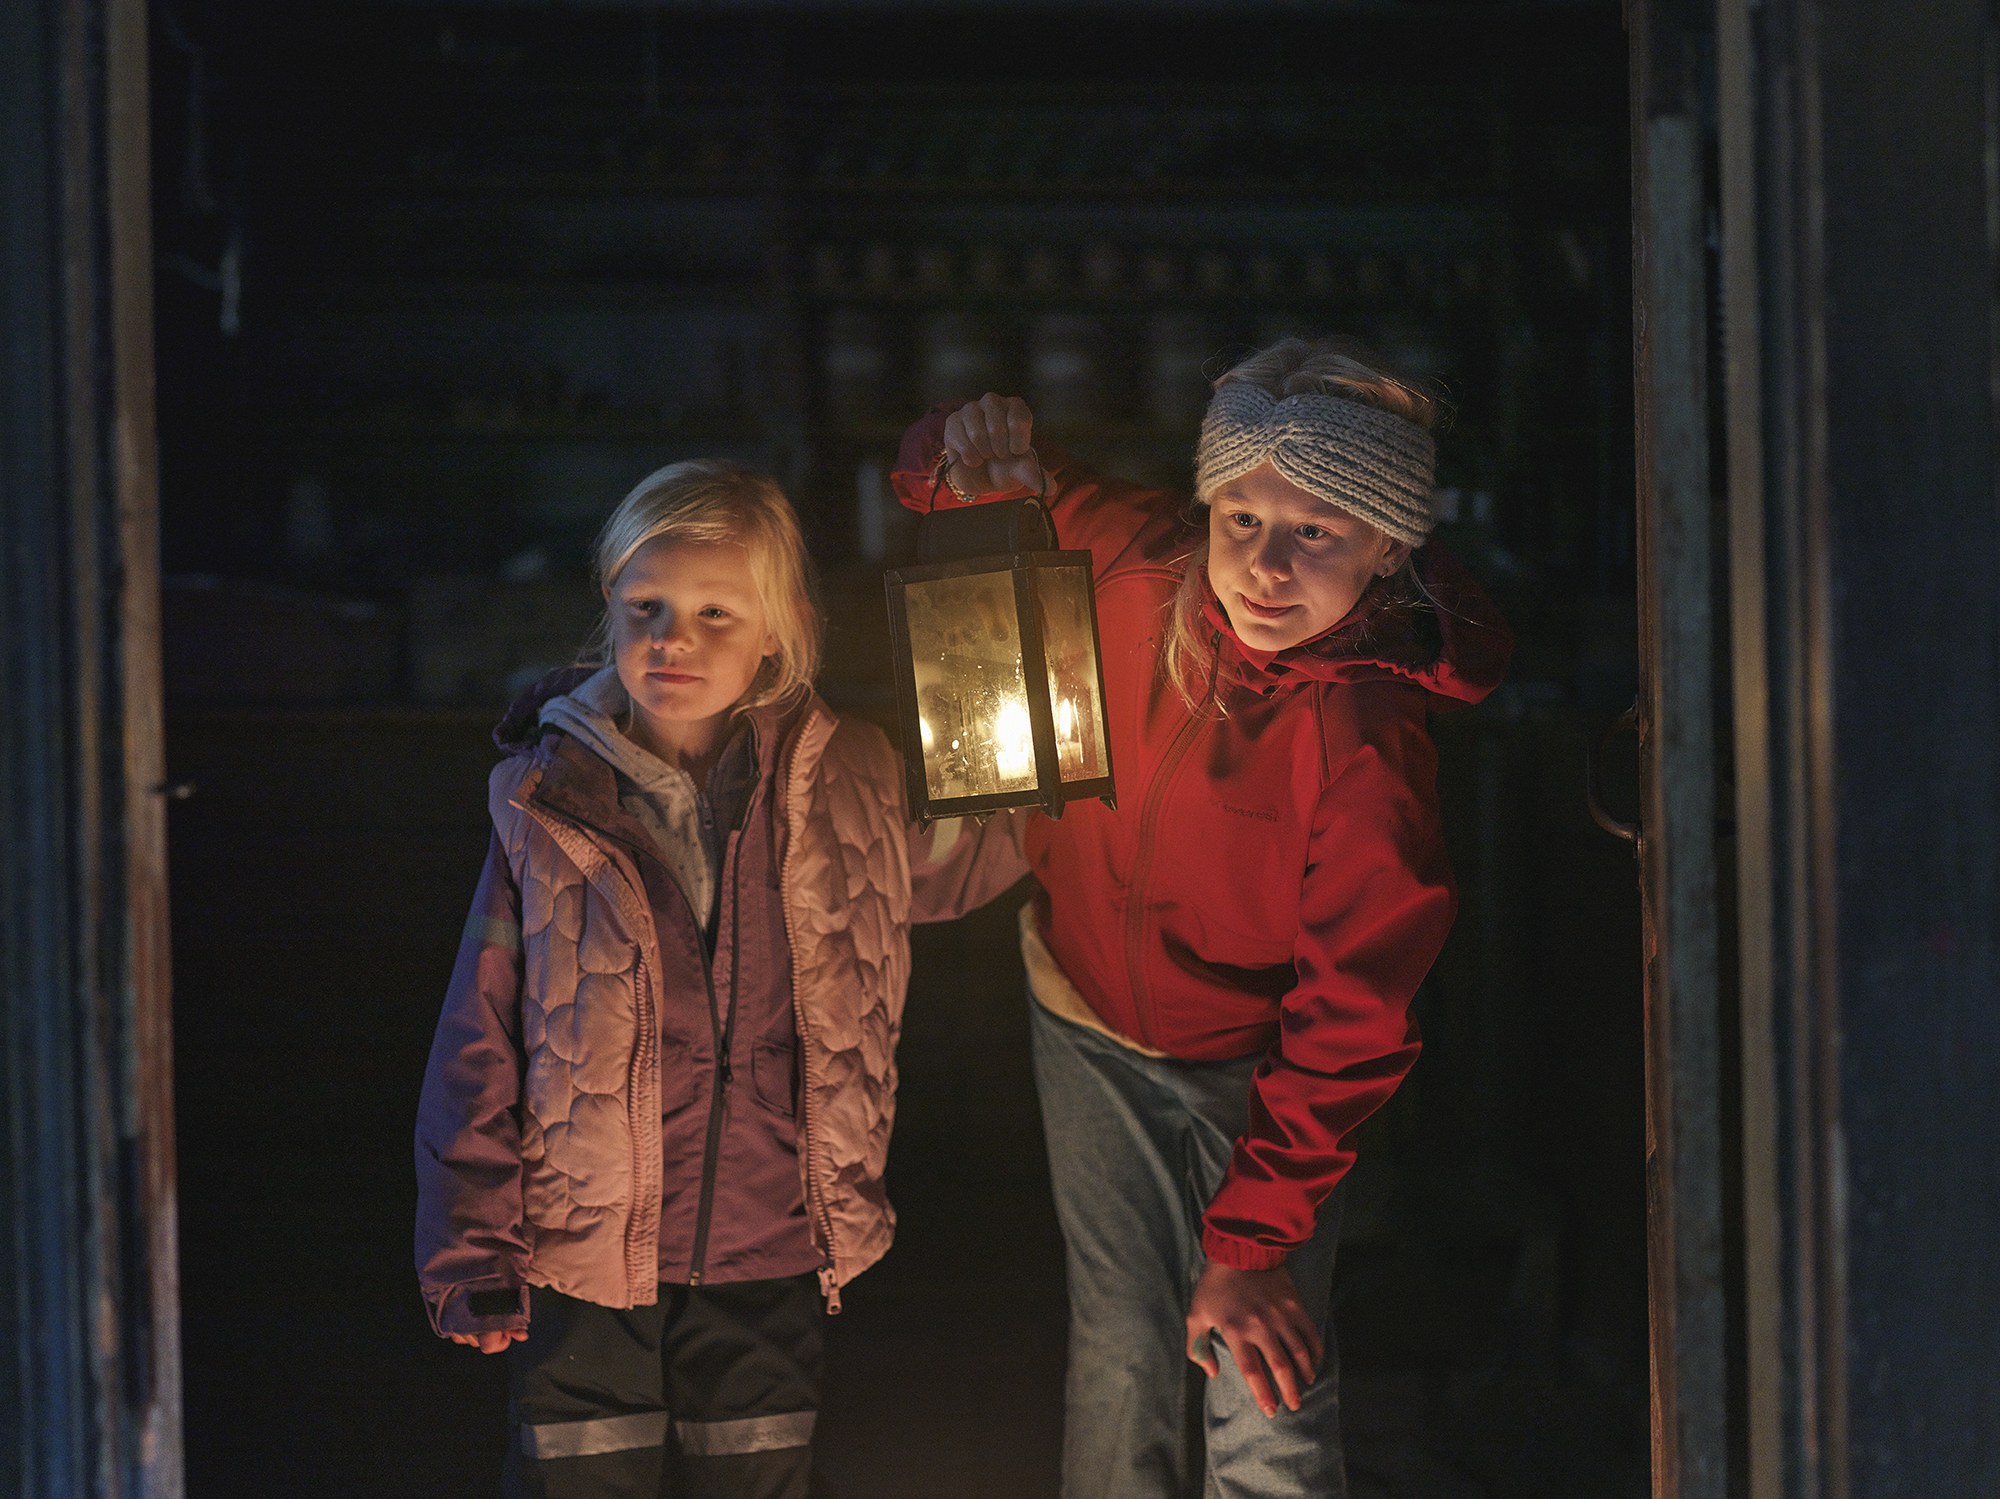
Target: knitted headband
(1358,458)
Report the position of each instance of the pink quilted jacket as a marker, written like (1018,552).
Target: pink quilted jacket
(535,1174)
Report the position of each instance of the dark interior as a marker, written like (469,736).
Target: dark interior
(438,283)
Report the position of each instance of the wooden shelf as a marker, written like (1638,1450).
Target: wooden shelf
(1169,221)
(583,187)
(313,294)
(434,84)
(1025,300)
(418,427)
(1276,191)
(973,94)
(1123,434)
(1463,194)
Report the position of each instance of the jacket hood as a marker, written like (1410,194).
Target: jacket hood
(589,712)
(1448,638)
(593,770)
(520,727)
(662,798)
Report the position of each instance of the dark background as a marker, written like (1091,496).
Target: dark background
(438,284)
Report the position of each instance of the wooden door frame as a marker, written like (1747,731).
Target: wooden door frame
(1772,274)
(92,1394)
(1686,1298)
(1751,1385)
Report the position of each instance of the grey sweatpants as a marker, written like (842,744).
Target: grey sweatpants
(1137,1147)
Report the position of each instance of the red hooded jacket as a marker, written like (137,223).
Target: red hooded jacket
(1273,879)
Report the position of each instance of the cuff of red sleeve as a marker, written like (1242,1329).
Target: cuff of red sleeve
(452,1309)
(1239,1254)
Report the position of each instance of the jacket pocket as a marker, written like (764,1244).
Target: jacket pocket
(772,1069)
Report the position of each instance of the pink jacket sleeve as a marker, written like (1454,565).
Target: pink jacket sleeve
(1113,520)
(469,1236)
(1376,904)
(958,866)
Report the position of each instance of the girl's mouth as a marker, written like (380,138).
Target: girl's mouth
(1263,611)
(673,678)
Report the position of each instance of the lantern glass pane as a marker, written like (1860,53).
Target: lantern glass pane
(1071,647)
(972,702)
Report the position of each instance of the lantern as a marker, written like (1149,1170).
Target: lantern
(999,685)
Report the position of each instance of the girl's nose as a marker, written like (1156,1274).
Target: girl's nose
(1271,558)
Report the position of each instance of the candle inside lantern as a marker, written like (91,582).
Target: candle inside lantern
(1014,741)
(1069,641)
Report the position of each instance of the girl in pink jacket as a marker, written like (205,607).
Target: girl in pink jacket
(654,1124)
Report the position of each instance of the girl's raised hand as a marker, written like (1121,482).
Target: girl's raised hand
(988,441)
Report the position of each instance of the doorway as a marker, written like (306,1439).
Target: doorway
(436,284)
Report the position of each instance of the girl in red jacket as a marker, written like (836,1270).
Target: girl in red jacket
(1222,968)
(656,1117)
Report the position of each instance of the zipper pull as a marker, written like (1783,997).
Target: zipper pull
(724,1071)
(830,1289)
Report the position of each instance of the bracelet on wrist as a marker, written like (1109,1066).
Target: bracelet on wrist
(941,475)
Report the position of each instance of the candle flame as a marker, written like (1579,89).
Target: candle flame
(1013,740)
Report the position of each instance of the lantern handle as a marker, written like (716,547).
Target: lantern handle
(941,476)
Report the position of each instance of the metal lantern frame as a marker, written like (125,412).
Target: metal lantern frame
(997,536)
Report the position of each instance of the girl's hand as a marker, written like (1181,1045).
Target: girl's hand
(988,444)
(1262,1320)
(491,1342)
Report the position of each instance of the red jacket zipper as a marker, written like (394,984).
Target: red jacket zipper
(1135,890)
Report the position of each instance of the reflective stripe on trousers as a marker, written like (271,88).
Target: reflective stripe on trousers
(649,1429)
(588,1438)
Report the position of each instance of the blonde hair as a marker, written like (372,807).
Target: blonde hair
(713,502)
(1334,366)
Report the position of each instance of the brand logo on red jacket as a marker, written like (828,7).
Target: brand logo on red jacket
(1258,813)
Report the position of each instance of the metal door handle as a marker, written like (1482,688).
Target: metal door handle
(1629,831)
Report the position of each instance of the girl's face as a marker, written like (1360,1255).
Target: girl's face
(688,632)
(1286,565)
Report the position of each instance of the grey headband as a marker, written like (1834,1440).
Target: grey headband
(1358,458)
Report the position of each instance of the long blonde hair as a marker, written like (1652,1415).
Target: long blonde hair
(710,502)
(1334,366)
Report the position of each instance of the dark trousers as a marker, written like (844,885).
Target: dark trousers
(711,1393)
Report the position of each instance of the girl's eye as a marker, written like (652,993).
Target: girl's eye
(715,611)
(1243,520)
(1310,533)
(645,607)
